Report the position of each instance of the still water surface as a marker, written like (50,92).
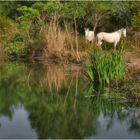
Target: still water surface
(52,101)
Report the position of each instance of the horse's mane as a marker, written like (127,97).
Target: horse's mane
(120,29)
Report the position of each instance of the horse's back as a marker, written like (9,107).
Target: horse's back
(91,33)
(108,37)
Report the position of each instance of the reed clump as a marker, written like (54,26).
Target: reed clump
(60,43)
(105,66)
(54,39)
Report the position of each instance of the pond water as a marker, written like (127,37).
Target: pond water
(53,101)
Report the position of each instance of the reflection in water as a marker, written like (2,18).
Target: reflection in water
(21,129)
(52,76)
(115,118)
(52,101)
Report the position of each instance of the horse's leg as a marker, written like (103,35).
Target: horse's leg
(99,44)
(115,44)
(92,42)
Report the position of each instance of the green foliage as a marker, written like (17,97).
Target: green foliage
(14,48)
(136,21)
(27,12)
(7,8)
(27,21)
(105,67)
(49,8)
(89,73)
(134,8)
(6,26)
(73,9)
(7,33)
(120,14)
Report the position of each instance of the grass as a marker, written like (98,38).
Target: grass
(105,66)
(61,43)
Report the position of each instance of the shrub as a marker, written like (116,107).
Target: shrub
(14,48)
(7,26)
(2,53)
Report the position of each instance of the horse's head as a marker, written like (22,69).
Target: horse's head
(124,32)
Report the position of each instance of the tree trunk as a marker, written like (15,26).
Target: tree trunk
(76,39)
(97,19)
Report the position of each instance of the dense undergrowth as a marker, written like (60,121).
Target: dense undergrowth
(55,29)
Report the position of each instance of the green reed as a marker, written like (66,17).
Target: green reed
(106,66)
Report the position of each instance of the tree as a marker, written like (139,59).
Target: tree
(95,12)
(135,10)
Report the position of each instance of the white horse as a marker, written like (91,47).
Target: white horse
(89,35)
(113,37)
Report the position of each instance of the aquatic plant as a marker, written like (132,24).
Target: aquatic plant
(105,66)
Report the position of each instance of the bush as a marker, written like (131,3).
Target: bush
(14,48)
(7,26)
(3,55)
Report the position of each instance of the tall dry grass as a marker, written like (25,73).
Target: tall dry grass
(54,38)
(60,43)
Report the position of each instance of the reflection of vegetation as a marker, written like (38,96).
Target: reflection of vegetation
(54,119)
(11,85)
(134,121)
(114,109)
(67,114)
(52,76)
(48,112)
